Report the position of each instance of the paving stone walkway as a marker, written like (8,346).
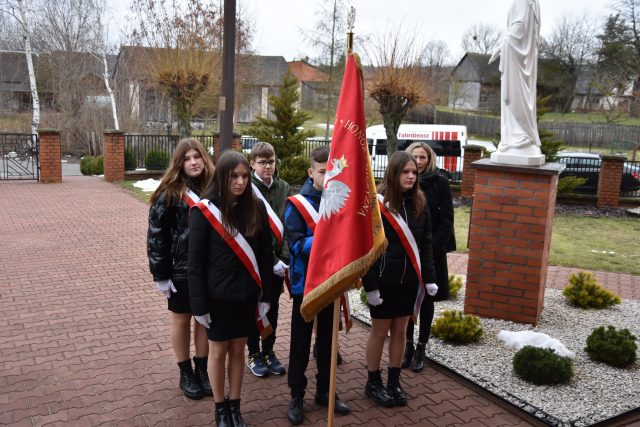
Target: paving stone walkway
(84,334)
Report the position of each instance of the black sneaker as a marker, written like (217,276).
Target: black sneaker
(274,365)
(257,366)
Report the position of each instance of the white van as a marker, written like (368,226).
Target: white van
(445,140)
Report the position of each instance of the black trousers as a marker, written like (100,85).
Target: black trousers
(253,340)
(300,348)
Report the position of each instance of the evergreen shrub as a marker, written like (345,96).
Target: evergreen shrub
(584,291)
(455,284)
(567,184)
(97,165)
(156,160)
(85,165)
(615,347)
(542,366)
(129,160)
(294,169)
(456,327)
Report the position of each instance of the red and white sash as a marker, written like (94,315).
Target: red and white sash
(190,198)
(405,235)
(274,222)
(243,251)
(311,217)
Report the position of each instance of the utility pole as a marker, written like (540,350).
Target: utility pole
(225,115)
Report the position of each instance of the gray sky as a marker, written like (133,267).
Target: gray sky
(278,23)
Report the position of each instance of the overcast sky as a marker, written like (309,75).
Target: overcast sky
(278,23)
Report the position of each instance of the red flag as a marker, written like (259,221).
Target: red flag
(349,236)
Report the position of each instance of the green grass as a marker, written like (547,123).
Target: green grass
(587,118)
(606,244)
(136,192)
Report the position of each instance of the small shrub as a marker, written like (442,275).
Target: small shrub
(542,366)
(294,169)
(156,160)
(363,296)
(97,165)
(456,327)
(584,291)
(615,347)
(129,160)
(85,165)
(455,284)
(567,184)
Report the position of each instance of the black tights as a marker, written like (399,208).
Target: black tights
(426,317)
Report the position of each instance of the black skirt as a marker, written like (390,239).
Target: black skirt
(179,301)
(231,319)
(397,300)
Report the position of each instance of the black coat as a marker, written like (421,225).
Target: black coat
(168,240)
(215,271)
(438,192)
(394,264)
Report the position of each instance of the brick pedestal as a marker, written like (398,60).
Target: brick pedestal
(472,153)
(50,156)
(509,240)
(113,150)
(609,181)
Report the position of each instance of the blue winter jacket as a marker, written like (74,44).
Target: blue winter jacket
(299,237)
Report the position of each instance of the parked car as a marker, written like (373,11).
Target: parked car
(587,165)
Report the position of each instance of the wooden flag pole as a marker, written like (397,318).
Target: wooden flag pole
(334,361)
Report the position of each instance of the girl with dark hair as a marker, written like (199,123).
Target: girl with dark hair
(167,248)
(230,267)
(438,193)
(396,281)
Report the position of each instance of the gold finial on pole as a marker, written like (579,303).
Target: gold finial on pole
(351,19)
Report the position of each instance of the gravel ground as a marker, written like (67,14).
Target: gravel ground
(597,391)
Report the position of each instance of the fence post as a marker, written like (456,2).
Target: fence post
(50,155)
(472,153)
(113,150)
(609,180)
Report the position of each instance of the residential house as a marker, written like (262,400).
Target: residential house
(595,93)
(313,86)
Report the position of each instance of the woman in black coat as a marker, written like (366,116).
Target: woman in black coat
(438,192)
(226,293)
(392,283)
(167,248)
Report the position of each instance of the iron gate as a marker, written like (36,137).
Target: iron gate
(19,156)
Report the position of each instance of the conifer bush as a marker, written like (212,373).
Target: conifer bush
(615,347)
(455,284)
(85,165)
(456,327)
(156,160)
(129,160)
(584,291)
(542,366)
(97,165)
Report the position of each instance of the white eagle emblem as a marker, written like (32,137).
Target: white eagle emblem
(335,193)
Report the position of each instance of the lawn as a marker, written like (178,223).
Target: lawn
(606,244)
(138,193)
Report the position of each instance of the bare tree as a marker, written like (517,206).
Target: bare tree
(481,38)
(435,58)
(10,32)
(629,11)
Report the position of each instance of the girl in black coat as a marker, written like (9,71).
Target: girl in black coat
(392,282)
(224,295)
(167,249)
(436,189)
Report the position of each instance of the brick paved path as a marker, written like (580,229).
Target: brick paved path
(84,334)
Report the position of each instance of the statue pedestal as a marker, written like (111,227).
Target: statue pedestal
(509,240)
(517,160)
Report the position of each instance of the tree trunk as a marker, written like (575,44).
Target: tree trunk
(35,122)
(391,126)
(111,95)
(634,107)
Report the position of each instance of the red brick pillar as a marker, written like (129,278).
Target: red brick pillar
(609,181)
(472,153)
(113,151)
(509,240)
(50,155)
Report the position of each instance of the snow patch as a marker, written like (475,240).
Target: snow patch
(537,339)
(147,185)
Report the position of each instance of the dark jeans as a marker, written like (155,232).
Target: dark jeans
(253,340)
(300,348)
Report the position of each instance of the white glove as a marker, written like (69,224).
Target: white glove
(204,320)
(165,287)
(263,309)
(432,289)
(373,298)
(280,268)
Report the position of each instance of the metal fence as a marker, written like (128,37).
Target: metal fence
(631,179)
(19,156)
(140,145)
(589,169)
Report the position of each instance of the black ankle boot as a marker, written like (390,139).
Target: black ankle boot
(222,414)
(394,389)
(418,358)
(409,350)
(376,391)
(201,374)
(234,413)
(188,383)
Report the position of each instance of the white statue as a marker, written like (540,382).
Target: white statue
(518,52)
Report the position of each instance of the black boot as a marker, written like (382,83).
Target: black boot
(201,374)
(234,413)
(222,414)
(394,389)
(375,390)
(295,414)
(409,350)
(188,383)
(418,358)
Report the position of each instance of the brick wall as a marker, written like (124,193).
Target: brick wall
(472,153)
(50,156)
(113,155)
(609,181)
(509,240)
